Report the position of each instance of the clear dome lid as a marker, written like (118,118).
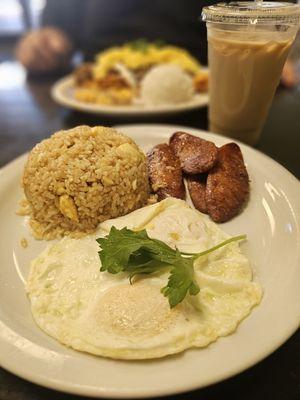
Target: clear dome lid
(252,12)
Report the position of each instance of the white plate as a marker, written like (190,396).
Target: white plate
(63,93)
(271,221)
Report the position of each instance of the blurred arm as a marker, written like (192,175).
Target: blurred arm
(290,74)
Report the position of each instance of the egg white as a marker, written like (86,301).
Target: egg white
(103,314)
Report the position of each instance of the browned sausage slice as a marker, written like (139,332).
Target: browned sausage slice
(197,189)
(227,187)
(165,172)
(196,155)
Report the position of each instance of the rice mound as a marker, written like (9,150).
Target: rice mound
(166,84)
(83,176)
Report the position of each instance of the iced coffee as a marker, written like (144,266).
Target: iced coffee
(246,61)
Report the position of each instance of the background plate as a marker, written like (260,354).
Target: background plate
(63,93)
(271,221)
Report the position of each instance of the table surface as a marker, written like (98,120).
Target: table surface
(27,115)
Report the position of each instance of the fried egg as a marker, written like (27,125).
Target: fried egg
(101,313)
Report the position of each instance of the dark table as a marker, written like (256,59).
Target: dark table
(27,115)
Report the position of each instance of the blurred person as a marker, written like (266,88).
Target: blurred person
(93,25)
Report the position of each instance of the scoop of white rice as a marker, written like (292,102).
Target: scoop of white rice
(166,84)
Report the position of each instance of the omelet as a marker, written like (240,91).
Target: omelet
(103,314)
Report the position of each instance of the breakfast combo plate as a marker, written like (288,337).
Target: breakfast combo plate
(63,93)
(138,78)
(157,301)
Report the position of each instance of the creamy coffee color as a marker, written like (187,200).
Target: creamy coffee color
(244,74)
(248,43)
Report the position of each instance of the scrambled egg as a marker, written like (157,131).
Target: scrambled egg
(137,59)
(111,96)
(102,314)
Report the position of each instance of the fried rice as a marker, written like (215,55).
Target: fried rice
(80,177)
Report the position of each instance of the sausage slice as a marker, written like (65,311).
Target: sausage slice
(196,155)
(165,172)
(227,187)
(197,189)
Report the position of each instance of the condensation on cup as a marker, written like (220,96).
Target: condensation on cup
(248,44)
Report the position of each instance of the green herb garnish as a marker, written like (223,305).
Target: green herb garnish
(139,45)
(159,43)
(133,252)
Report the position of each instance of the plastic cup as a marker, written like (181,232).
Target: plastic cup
(248,44)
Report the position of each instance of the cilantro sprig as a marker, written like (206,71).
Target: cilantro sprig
(136,253)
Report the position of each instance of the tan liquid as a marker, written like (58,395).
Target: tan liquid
(244,75)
